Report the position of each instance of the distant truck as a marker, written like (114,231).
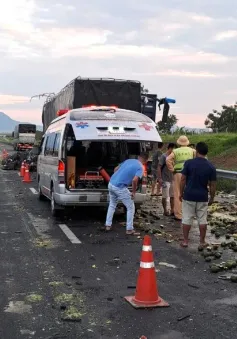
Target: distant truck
(85,92)
(24,137)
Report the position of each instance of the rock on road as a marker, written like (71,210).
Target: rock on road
(53,288)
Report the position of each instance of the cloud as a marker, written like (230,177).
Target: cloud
(226,35)
(202,19)
(17,15)
(232,92)
(176,20)
(185,73)
(64,7)
(93,43)
(12,99)
(186,53)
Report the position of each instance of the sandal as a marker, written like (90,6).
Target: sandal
(106,228)
(132,232)
(184,244)
(204,245)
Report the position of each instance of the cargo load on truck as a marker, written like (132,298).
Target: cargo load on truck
(83,92)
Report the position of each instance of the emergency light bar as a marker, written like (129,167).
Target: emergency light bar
(62,112)
(100,107)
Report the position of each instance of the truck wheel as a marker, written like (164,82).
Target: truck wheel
(55,211)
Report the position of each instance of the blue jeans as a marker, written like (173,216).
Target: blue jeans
(120,194)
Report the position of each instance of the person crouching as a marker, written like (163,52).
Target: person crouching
(127,173)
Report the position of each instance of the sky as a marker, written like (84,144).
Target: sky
(181,49)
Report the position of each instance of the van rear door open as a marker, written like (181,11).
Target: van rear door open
(103,139)
(118,125)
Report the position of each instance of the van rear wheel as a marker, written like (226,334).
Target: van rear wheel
(55,211)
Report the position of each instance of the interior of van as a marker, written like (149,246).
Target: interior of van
(85,160)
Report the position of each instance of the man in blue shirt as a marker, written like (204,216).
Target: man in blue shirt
(127,173)
(197,174)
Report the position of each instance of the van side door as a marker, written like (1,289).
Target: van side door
(48,167)
(55,161)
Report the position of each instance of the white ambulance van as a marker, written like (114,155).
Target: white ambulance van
(80,150)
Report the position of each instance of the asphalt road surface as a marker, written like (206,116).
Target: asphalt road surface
(48,274)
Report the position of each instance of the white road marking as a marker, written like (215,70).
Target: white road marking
(71,236)
(33,190)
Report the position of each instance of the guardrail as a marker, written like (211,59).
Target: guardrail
(231,175)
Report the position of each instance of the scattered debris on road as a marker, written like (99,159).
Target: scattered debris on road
(34,298)
(72,314)
(166,264)
(184,317)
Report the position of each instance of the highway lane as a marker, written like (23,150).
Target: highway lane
(45,277)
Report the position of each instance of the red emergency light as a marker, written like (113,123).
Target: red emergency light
(101,107)
(62,112)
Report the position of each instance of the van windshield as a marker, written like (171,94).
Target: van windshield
(121,115)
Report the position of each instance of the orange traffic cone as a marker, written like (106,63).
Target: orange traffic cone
(146,290)
(22,172)
(27,178)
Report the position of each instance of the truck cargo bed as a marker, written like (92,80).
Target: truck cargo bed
(104,92)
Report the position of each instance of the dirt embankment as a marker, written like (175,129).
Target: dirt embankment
(226,161)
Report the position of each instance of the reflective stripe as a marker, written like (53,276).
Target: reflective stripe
(147,248)
(147,264)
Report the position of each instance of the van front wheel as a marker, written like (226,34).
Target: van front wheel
(55,211)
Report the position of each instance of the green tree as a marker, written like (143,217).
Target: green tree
(223,121)
(165,127)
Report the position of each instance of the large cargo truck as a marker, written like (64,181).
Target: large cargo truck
(24,137)
(82,92)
